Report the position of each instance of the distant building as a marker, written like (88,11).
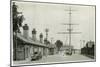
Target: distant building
(90,44)
(65,48)
(89,49)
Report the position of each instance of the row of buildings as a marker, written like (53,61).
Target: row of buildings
(25,46)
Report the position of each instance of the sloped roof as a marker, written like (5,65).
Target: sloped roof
(29,40)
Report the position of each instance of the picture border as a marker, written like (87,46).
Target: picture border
(11,40)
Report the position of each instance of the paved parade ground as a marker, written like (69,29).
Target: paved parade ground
(55,59)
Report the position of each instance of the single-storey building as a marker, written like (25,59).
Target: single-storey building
(25,46)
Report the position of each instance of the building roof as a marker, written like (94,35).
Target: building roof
(30,41)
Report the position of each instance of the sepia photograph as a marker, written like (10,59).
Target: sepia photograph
(52,33)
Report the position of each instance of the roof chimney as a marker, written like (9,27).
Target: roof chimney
(25,30)
(41,38)
(34,34)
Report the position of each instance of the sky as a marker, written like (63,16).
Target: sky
(52,16)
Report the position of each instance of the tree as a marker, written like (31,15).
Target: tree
(17,18)
(59,44)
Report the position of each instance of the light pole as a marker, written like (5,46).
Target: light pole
(83,43)
(80,44)
(46,30)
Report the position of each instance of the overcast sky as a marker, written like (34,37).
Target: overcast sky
(51,16)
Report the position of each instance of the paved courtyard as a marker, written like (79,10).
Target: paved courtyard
(55,59)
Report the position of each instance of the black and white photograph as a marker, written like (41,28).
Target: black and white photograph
(51,33)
